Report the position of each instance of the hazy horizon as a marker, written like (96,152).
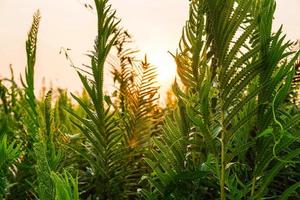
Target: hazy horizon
(155,25)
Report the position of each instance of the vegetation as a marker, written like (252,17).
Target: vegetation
(232,131)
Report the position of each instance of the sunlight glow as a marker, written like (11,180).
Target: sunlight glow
(166,72)
(166,68)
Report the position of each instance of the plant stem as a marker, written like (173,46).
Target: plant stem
(222,181)
(253,186)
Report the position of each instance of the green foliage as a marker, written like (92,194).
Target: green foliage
(45,185)
(61,116)
(31,46)
(47,155)
(40,153)
(180,169)
(28,116)
(230,133)
(66,187)
(236,75)
(103,152)
(8,107)
(294,93)
(138,110)
(8,155)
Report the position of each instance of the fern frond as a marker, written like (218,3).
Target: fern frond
(31,46)
(8,155)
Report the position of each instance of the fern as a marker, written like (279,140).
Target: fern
(31,46)
(231,133)
(103,151)
(66,187)
(29,118)
(8,155)
(236,75)
(294,94)
(45,185)
(48,155)
(180,169)
(137,103)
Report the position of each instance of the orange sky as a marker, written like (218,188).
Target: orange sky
(155,24)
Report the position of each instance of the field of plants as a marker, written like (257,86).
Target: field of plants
(230,128)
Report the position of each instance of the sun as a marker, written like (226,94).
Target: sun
(166,69)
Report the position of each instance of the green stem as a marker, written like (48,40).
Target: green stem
(253,186)
(222,181)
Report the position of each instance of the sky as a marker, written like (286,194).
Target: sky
(155,25)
